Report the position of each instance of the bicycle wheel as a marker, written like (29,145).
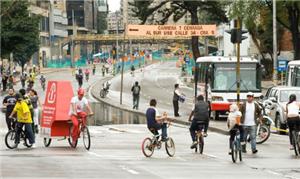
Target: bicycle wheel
(70,139)
(201,144)
(170,147)
(263,134)
(10,139)
(47,141)
(86,138)
(240,151)
(234,151)
(147,147)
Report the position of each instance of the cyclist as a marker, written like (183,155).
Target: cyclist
(156,122)
(9,102)
(293,120)
(28,102)
(87,74)
(234,124)
(79,108)
(201,115)
(23,119)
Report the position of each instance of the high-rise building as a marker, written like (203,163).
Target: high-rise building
(114,19)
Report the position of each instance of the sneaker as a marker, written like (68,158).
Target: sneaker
(205,134)
(194,144)
(33,146)
(244,149)
(164,139)
(254,151)
(229,153)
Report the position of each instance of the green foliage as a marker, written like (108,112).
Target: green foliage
(102,22)
(19,31)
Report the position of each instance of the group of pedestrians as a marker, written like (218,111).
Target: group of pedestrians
(22,109)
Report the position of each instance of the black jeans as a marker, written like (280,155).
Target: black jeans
(28,132)
(195,126)
(176,108)
(9,121)
(293,124)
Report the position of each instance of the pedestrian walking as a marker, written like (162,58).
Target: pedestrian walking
(132,70)
(4,81)
(251,115)
(10,82)
(9,102)
(136,89)
(176,96)
(23,119)
(35,101)
(94,69)
(80,79)
(103,70)
(23,79)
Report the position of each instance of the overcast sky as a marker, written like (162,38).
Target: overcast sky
(114,5)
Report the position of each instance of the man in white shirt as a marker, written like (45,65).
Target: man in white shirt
(78,109)
(251,113)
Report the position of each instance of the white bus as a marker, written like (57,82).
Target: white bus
(218,75)
(293,73)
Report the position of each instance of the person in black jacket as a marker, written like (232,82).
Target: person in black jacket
(136,88)
(9,102)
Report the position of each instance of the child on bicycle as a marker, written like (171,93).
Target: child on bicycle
(234,124)
(156,122)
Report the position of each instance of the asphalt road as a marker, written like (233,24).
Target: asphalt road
(116,153)
(157,81)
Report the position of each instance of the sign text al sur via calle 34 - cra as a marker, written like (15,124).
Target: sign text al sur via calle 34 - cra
(171,30)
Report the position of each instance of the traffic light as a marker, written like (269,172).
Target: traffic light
(240,37)
(237,35)
(233,35)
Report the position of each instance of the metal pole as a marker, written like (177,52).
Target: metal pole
(238,77)
(72,46)
(274,44)
(122,72)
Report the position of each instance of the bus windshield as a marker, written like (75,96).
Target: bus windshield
(224,77)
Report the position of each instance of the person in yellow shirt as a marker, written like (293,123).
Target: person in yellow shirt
(23,119)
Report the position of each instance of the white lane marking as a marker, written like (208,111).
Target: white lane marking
(95,154)
(129,170)
(182,159)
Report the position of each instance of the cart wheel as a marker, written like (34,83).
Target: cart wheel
(47,141)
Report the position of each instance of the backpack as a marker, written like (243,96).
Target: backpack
(136,90)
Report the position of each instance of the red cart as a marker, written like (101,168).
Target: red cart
(55,122)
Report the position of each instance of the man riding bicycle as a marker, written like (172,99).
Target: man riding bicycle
(156,122)
(201,116)
(79,106)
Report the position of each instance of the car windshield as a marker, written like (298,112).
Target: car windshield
(225,77)
(285,94)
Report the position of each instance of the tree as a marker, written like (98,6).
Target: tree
(288,15)
(102,22)
(19,31)
(150,10)
(257,18)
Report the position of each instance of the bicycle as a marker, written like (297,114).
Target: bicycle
(10,138)
(85,134)
(149,144)
(296,141)
(236,147)
(200,138)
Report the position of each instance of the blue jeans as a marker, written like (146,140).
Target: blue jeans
(28,132)
(250,130)
(157,127)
